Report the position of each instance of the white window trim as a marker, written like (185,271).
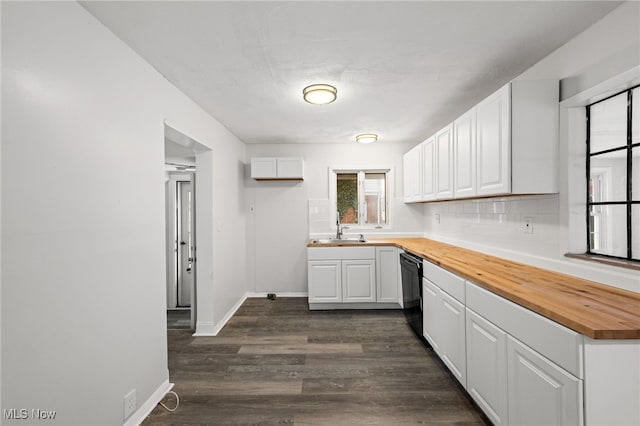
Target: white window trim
(573,155)
(333,191)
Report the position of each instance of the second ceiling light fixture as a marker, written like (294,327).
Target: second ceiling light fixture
(322,94)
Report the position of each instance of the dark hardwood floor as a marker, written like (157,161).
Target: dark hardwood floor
(178,318)
(277,363)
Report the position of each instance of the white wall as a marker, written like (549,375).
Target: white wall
(278,228)
(604,51)
(83,262)
(1,216)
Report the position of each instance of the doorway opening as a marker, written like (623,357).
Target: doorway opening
(183,234)
(180,199)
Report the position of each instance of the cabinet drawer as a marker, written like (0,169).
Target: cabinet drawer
(448,282)
(328,253)
(558,343)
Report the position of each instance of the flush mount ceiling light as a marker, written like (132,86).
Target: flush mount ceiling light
(366,138)
(319,94)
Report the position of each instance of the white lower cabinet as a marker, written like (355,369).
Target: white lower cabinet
(354,277)
(388,280)
(452,337)
(431,314)
(358,281)
(479,336)
(513,383)
(540,392)
(487,367)
(325,281)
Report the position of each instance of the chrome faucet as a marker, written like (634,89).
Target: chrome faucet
(339,231)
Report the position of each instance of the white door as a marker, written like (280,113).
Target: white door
(444,163)
(185,241)
(358,281)
(325,281)
(540,392)
(487,367)
(464,135)
(493,143)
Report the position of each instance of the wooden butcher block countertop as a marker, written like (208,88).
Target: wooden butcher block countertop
(595,310)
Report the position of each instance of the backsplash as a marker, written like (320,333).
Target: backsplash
(499,223)
(406,220)
(319,216)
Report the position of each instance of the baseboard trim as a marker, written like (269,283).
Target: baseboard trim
(337,306)
(145,409)
(257,294)
(204,328)
(212,329)
(208,329)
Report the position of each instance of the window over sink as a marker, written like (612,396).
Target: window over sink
(360,196)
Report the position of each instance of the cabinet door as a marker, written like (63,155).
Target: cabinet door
(452,338)
(358,281)
(290,167)
(493,143)
(325,281)
(406,177)
(487,367)
(412,169)
(444,162)
(540,392)
(464,135)
(428,169)
(263,167)
(387,266)
(430,314)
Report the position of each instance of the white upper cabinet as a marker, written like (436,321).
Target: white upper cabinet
(428,169)
(506,144)
(264,167)
(444,163)
(493,155)
(290,167)
(274,168)
(517,139)
(535,115)
(464,136)
(412,169)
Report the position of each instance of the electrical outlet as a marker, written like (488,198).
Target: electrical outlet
(437,217)
(527,225)
(129,403)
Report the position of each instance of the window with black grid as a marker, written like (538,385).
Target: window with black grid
(613,176)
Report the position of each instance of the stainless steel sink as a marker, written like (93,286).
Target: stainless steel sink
(339,240)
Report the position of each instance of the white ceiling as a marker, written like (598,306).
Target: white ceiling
(402,69)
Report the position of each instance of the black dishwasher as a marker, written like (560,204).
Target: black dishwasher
(411,267)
